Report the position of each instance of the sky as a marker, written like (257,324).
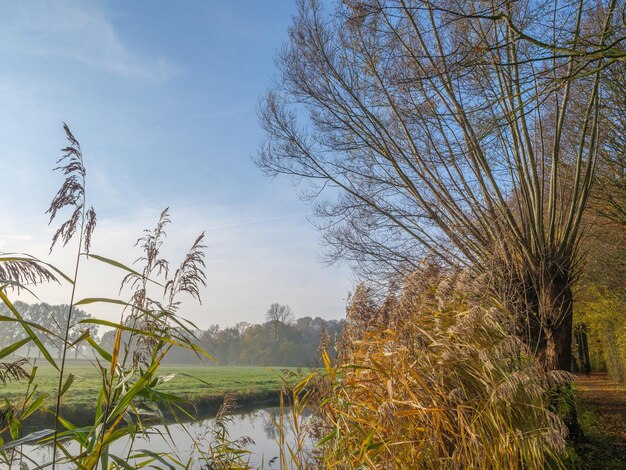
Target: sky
(163,98)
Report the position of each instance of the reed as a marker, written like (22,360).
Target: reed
(131,397)
(428,379)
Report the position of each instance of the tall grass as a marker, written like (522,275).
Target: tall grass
(427,380)
(130,398)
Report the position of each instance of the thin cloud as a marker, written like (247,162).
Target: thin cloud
(76,31)
(256,221)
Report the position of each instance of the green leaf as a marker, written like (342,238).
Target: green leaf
(4,318)
(154,455)
(163,396)
(66,424)
(104,458)
(105,300)
(32,438)
(83,335)
(34,406)
(28,329)
(13,347)
(122,463)
(119,265)
(103,353)
(67,384)
(93,300)
(33,373)
(326,438)
(136,388)
(14,428)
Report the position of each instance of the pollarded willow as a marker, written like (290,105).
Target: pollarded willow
(463,131)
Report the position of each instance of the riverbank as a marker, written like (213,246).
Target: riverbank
(200,407)
(203,388)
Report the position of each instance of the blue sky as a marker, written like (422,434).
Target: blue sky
(162,96)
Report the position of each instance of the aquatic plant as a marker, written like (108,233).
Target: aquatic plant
(130,398)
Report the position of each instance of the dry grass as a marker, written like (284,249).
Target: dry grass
(429,381)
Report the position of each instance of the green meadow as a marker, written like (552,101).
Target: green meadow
(203,386)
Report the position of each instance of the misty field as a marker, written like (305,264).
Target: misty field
(204,386)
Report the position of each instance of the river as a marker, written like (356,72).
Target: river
(258,425)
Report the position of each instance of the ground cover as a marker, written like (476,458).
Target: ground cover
(602,413)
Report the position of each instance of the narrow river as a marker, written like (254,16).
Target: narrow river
(258,425)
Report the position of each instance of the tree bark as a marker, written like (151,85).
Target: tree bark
(553,305)
(542,301)
(558,345)
(556,353)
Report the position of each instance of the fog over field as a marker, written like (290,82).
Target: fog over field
(167,117)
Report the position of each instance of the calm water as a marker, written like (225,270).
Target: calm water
(257,425)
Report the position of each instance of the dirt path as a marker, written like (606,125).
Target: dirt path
(602,413)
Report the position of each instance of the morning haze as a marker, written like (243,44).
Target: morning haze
(167,118)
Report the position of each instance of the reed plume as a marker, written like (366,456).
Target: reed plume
(72,194)
(82,221)
(433,378)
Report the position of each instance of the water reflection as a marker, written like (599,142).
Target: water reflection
(259,426)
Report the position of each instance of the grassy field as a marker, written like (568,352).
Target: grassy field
(203,386)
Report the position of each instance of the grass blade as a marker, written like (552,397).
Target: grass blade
(28,330)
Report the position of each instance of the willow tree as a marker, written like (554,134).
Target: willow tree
(465,130)
(610,201)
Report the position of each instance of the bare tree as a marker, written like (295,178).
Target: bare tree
(465,131)
(610,199)
(279,316)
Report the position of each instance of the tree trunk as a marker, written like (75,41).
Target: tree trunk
(555,305)
(556,353)
(542,301)
(558,345)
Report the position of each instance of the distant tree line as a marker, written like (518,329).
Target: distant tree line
(52,318)
(282,340)
(245,344)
